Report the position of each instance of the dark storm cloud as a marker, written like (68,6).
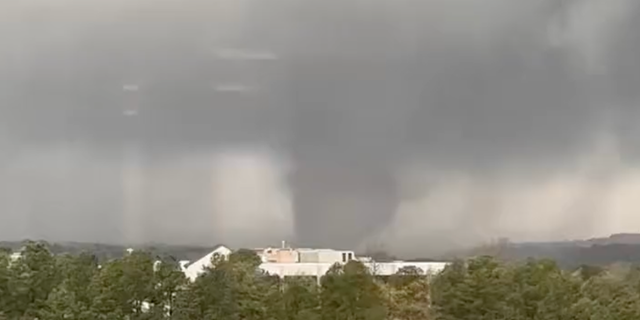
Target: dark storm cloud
(419,121)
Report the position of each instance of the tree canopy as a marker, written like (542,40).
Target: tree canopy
(46,286)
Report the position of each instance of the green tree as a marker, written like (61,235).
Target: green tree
(39,285)
(408,295)
(5,277)
(349,292)
(476,290)
(33,277)
(541,290)
(232,289)
(169,280)
(605,297)
(124,287)
(73,297)
(301,299)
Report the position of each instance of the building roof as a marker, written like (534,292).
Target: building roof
(197,267)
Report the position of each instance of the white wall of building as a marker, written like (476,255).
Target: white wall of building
(320,269)
(325,255)
(315,263)
(308,256)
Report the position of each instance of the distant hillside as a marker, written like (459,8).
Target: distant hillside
(619,238)
(616,248)
(578,254)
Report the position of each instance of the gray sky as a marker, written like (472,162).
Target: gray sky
(413,124)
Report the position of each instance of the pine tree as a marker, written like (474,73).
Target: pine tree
(73,297)
(168,281)
(301,299)
(124,287)
(349,292)
(408,295)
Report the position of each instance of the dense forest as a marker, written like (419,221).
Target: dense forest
(43,285)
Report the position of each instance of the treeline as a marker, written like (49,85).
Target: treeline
(41,285)
(573,255)
(104,252)
(567,254)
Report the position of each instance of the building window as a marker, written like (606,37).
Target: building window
(344,257)
(350,256)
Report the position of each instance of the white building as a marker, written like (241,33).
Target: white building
(197,267)
(320,269)
(312,262)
